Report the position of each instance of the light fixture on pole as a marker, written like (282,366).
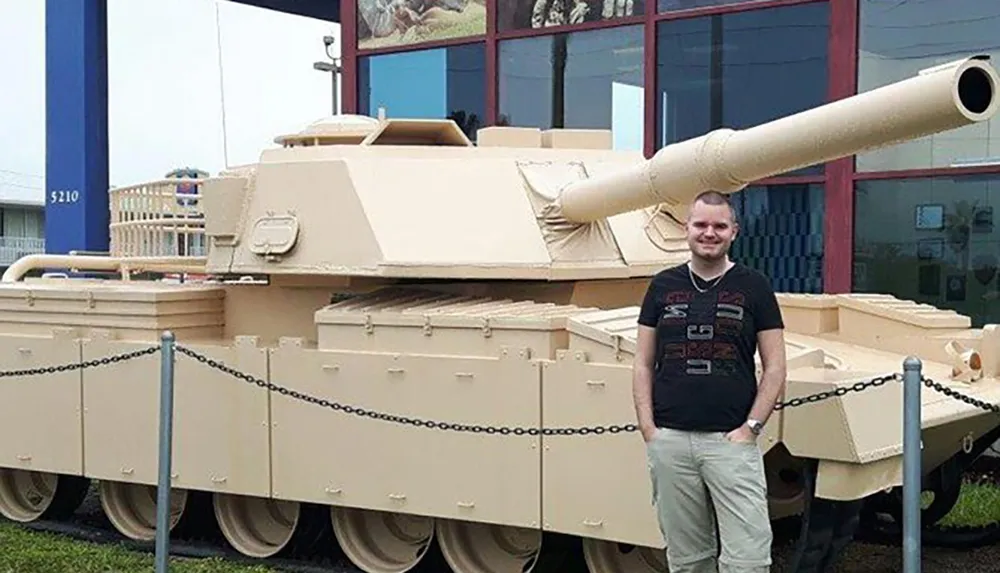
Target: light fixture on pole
(333,68)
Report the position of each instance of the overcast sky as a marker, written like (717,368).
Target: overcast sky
(165,95)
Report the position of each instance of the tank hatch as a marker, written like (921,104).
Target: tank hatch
(434,132)
(345,129)
(424,321)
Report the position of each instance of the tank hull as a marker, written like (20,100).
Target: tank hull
(273,428)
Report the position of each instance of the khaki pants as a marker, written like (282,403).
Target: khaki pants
(700,479)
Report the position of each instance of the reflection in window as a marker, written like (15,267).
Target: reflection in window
(522,14)
(675,5)
(898,39)
(585,80)
(717,71)
(781,234)
(441,83)
(932,240)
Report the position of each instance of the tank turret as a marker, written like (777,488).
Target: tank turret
(356,196)
(398,339)
(385,199)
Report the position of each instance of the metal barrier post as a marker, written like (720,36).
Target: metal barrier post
(911,464)
(166,441)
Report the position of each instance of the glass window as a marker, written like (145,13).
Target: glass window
(931,240)
(441,83)
(584,80)
(524,14)
(675,5)
(384,24)
(781,234)
(898,39)
(716,71)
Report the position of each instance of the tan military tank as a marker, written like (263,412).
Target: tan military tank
(431,341)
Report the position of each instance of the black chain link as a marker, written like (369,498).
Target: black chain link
(843,390)
(365,413)
(503,430)
(104,361)
(959,396)
(471,428)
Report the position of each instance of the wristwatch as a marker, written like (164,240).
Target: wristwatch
(755,426)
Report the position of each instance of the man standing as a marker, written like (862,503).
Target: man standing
(698,402)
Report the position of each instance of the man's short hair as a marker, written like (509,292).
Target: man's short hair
(715,198)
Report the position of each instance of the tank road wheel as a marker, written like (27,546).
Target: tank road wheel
(380,541)
(786,482)
(611,557)
(256,526)
(131,507)
(27,495)
(471,547)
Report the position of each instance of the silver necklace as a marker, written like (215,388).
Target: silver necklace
(711,284)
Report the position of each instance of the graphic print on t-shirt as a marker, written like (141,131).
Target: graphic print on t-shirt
(704,376)
(700,330)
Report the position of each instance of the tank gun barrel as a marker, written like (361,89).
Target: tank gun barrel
(937,99)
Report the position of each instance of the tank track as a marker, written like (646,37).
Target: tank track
(816,539)
(201,540)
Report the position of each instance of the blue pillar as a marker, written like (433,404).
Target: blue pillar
(76,125)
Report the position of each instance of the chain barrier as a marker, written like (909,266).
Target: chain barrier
(104,361)
(843,390)
(471,428)
(959,396)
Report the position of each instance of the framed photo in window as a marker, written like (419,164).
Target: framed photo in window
(929,217)
(930,249)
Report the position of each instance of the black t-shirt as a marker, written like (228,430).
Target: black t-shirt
(705,376)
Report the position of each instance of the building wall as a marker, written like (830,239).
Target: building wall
(22,232)
(914,220)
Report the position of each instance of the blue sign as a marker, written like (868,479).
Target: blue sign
(76,126)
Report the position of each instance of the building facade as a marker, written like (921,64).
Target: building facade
(22,230)
(914,220)
(22,216)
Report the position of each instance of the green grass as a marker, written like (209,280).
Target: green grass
(977,505)
(25,551)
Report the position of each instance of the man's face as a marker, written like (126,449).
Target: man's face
(710,230)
